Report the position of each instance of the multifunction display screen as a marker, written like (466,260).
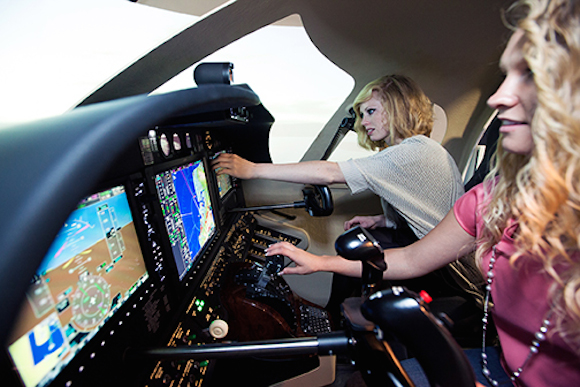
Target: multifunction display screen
(187,212)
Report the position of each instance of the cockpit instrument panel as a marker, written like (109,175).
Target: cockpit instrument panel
(92,268)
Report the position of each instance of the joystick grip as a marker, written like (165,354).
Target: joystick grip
(357,244)
(405,315)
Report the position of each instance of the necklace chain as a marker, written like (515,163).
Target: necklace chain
(539,336)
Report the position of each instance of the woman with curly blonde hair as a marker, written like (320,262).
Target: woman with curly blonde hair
(524,220)
(542,190)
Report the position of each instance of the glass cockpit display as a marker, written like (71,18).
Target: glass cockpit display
(93,266)
(187,212)
(224,184)
(224,181)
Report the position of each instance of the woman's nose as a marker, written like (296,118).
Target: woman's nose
(504,97)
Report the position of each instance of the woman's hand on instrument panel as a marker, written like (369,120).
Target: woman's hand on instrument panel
(233,165)
(369,222)
(306,263)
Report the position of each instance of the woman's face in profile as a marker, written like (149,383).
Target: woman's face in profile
(374,119)
(516,98)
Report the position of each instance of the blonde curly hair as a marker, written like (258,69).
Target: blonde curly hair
(408,111)
(541,190)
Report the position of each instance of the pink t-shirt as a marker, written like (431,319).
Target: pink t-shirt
(521,304)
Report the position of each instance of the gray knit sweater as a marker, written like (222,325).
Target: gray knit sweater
(417,178)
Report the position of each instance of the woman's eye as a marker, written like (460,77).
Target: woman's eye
(370,111)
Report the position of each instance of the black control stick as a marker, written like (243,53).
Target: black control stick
(324,344)
(405,315)
(402,314)
(357,244)
(317,202)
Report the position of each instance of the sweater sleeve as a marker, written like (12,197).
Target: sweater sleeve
(353,176)
(417,177)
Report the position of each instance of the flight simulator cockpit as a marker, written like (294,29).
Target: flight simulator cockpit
(145,251)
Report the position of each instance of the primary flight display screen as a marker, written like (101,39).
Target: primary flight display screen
(187,212)
(93,266)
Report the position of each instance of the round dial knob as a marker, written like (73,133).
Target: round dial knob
(218,329)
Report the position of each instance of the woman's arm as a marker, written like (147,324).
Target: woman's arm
(369,222)
(307,172)
(307,263)
(445,243)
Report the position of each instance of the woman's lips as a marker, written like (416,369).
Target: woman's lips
(508,125)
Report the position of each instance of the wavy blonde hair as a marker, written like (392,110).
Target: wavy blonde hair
(408,111)
(541,190)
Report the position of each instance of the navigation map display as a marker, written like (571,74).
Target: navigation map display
(93,266)
(187,212)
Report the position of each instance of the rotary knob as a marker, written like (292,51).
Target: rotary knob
(218,329)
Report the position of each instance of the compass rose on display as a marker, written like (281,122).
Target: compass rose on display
(91,302)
